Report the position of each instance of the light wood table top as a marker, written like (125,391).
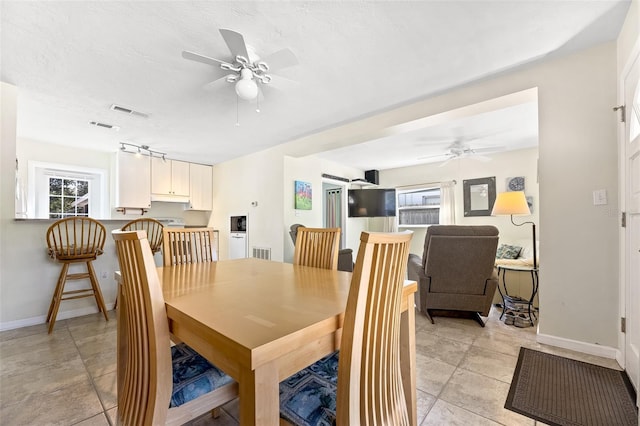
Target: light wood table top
(261,321)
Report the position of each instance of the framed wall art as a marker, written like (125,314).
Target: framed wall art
(302,195)
(479,196)
(515,183)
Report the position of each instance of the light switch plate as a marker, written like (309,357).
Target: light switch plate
(600,197)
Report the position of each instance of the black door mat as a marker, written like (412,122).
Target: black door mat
(562,391)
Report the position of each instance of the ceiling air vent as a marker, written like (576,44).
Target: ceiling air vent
(106,126)
(129,111)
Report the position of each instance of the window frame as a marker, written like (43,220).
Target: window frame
(417,189)
(38,187)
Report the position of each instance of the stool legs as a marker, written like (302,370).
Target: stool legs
(96,290)
(57,296)
(59,293)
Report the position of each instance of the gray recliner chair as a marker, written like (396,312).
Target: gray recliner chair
(345,256)
(456,272)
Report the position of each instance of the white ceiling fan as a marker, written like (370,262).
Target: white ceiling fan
(246,69)
(460,149)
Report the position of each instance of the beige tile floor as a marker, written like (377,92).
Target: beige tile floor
(69,377)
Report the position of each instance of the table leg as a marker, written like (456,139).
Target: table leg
(408,359)
(260,396)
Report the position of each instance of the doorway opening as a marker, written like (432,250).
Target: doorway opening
(333,211)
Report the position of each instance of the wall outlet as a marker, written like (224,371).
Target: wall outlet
(104,275)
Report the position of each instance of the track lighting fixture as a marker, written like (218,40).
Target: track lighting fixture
(137,149)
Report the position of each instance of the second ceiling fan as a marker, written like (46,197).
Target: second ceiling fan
(460,149)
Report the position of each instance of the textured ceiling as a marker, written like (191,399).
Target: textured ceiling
(72,60)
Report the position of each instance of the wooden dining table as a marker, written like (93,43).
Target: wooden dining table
(261,321)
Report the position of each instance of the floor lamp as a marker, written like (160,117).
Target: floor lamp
(515,203)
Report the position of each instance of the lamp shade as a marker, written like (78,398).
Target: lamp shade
(510,203)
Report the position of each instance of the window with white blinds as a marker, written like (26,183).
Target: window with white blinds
(418,207)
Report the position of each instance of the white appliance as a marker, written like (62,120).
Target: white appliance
(172,222)
(238,248)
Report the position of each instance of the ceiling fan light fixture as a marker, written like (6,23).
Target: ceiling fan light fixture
(246,87)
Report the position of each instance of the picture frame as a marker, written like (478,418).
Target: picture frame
(303,195)
(479,195)
(529,199)
(515,183)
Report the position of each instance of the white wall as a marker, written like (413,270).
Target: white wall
(8,236)
(236,184)
(508,164)
(310,169)
(267,177)
(629,36)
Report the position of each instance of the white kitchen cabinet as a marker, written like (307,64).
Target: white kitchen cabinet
(169,178)
(133,181)
(201,187)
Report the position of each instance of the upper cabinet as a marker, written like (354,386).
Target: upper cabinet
(142,179)
(133,181)
(201,182)
(169,180)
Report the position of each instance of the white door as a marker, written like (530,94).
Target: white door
(631,169)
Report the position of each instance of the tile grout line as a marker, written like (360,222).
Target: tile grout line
(93,384)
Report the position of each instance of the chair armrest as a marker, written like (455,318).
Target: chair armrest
(416,273)
(414,268)
(345,260)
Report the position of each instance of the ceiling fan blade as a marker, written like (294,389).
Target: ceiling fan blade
(201,58)
(444,163)
(283,58)
(281,83)
(487,149)
(235,43)
(444,156)
(218,82)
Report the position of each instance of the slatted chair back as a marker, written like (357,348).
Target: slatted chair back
(144,358)
(75,240)
(145,366)
(188,245)
(370,390)
(317,247)
(152,227)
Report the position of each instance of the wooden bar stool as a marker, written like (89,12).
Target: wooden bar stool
(152,227)
(75,240)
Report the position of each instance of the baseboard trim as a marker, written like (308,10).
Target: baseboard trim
(575,345)
(27,322)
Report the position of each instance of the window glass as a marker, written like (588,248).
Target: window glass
(68,197)
(419,207)
(58,191)
(634,117)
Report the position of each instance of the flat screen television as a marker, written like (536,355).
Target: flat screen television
(372,202)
